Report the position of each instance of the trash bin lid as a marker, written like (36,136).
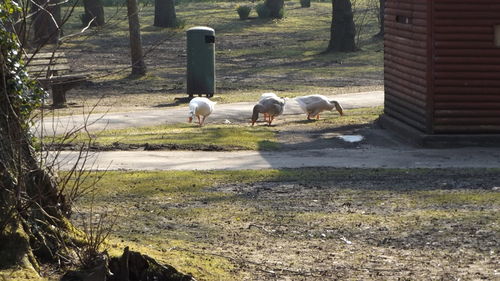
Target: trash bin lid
(201,28)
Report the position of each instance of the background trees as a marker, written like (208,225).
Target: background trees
(275,8)
(165,13)
(46,21)
(94,13)
(381,17)
(136,53)
(342,31)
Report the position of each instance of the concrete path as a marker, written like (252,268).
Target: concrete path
(374,157)
(366,156)
(234,112)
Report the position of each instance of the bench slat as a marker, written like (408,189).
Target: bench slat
(44,68)
(48,61)
(64,78)
(56,65)
(47,55)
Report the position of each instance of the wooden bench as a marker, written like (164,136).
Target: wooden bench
(54,73)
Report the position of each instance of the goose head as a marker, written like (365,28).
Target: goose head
(255,115)
(191,116)
(338,107)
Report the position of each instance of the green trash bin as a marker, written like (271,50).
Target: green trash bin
(201,61)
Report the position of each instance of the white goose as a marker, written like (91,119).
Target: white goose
(313,105)
(200,107)
(271,106)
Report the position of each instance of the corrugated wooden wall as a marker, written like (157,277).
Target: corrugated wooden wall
(466,66)
(406,62)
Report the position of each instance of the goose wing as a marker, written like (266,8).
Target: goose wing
(201,106)
(272,106)
(267,95)
(312,102)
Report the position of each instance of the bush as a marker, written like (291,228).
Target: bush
(243,11)
(180,23)
(305,3)
(263,11)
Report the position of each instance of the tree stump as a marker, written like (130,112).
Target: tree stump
(134,266)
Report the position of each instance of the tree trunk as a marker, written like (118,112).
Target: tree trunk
(381,17)
(165,13)
(275,8)
(94,11)
(138,65)
(343,31)
(33,213)
(46,21)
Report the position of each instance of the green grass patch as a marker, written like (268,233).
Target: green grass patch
(216,137)
(189,136)
(357,116)
(116,183)
(459,198)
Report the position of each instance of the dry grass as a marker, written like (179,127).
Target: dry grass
(311,224)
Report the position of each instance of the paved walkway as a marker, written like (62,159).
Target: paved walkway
(233,112)
(364,157)
(373,157)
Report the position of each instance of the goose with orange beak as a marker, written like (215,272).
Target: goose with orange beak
(201,108)
(313,105)
(270,107)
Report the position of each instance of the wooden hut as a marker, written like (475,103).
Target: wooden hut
(442,70)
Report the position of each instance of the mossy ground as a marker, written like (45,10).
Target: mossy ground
(310,224)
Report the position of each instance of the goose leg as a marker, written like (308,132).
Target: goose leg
(266,117)
(199,122)
(203,120)
(315,113)
(271,118)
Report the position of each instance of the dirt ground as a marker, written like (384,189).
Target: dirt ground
(283,248)
(251,56)
(345,225)
(303,135)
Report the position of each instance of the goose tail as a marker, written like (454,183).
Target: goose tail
(302,104)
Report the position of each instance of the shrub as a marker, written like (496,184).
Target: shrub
(305,3)
(263,11)
(180,23)
(243,11)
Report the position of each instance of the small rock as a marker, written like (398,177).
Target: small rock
(345,240)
